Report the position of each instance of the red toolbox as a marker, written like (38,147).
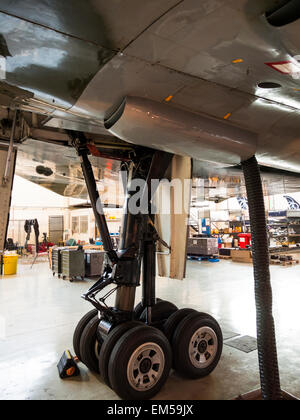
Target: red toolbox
(244,240)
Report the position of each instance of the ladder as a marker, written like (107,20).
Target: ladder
(194,220)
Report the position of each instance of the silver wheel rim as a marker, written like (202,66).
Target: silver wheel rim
(203,347)
(145,367)
(97,349)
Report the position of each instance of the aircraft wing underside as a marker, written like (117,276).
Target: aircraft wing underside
(216,81)
(58,169)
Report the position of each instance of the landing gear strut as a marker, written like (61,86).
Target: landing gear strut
(134,353)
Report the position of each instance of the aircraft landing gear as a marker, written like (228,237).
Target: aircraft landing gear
(133,347)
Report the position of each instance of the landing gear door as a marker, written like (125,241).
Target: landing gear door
(5,193)
(173,206)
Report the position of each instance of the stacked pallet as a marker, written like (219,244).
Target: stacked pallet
(224,257)
(283,260)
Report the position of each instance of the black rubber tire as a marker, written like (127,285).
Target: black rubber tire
(181,340)
(120,357)
(160,312)
(79,330)
(109,344)
(88,342)
(139,309)
(174,320)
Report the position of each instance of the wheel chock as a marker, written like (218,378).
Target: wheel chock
(67,366)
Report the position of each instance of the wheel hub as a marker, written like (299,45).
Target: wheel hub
(145,367)
(97,348)
(203,347)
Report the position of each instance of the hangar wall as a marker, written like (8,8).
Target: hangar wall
(5,194)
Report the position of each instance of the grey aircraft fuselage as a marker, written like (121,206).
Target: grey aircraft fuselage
(186,77)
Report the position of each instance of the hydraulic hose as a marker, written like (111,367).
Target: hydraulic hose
(266,340)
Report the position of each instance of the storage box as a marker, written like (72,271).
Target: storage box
(202,246)
(72,263)
(93,262)
(56,260)
(228,244)
(240,255)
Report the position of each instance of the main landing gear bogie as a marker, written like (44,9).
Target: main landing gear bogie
(135,359)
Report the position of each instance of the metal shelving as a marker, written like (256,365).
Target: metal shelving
(285,221)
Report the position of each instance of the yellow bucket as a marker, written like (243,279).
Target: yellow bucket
(10,264)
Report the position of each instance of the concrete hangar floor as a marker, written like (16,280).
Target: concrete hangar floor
(39,313)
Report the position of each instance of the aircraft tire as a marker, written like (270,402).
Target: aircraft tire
(160,312)
(90,345)
(174,320)
(109,344)
(79,330)
(197,345)
(139,309)
(140,363)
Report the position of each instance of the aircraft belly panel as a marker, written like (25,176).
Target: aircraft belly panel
(111,24)
(125,75)
(279,147)
(55,67)
(181,53)
(207,45)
